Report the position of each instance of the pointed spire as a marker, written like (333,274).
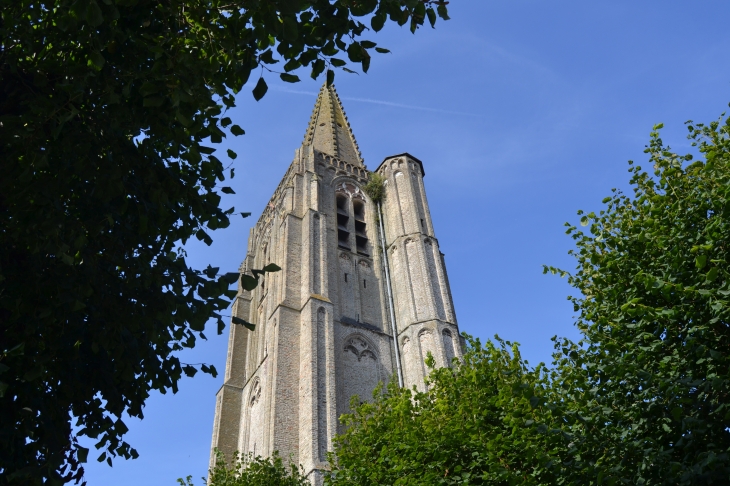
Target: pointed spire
(329,131)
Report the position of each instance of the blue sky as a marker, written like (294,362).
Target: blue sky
(522,112)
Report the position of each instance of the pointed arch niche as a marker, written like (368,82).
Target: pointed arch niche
(255,420)
(362,370)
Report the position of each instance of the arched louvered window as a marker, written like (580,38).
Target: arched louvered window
(361,237)
(343,217)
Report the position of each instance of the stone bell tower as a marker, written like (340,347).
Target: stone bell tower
(325,323)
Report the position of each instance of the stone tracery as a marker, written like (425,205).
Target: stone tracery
(360,348)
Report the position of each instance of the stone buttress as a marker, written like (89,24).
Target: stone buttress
(323,333)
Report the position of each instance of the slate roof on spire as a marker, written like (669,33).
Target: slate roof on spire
(329,131)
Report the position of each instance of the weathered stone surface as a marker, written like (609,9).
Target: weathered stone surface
(323,332)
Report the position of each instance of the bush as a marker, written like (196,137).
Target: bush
(252,471)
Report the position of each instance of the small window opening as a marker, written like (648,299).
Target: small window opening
(345,277)
(422,223)
(342,204)
(361,244)
(360,229)
(342,221)
(343,238)
(365,283)
(361,237)
(343,216)
(359,208)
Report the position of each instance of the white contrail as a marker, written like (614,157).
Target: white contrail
(379,102)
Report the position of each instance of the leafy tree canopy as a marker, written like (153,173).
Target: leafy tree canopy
(110,111)
(651,375)
(642,399)
(252,471)
(481,422)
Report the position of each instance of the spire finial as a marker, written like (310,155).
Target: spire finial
(329,130)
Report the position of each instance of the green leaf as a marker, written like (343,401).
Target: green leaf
(189,370)
(231,277)
(330,77)
(701,261)
(260,90)
(245,215)
(289,78)
(584,221)
(378,21)
(236,130)
(184,121)
(153,102)
(82,454)
(93,14)
(712,274)
(291,30)
(120,427)
(271,267)
(382,50)
(17,350)
(246,324)
(3,388)
(33,373)
(231,154)
(225,122)
(96,60)
(227,190)
(211,272)
(248,282)
(317,68)
(431,17)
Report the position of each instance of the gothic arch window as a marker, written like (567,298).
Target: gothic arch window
(449,351)
(425,337)
(350,204)
(255,418)
(360,348)
(361,371)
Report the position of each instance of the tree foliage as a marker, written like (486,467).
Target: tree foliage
(484,421)
(110,112)
(252,471)
(651,375)
(642,399)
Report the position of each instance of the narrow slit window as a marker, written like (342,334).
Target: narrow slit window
(365,283)
(345,277)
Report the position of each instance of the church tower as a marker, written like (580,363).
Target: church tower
(353,275)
